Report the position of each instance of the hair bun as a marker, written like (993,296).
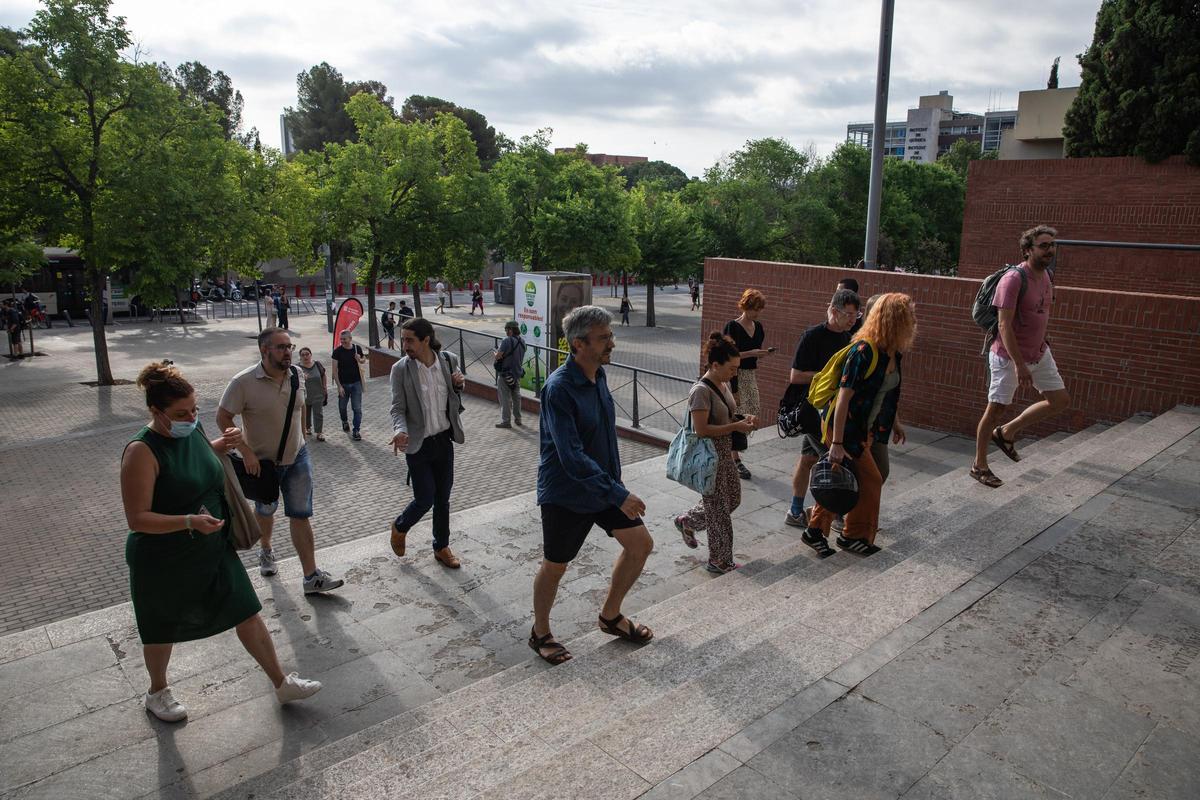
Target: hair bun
(715,336)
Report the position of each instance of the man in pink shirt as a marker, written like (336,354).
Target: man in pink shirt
(1020,355)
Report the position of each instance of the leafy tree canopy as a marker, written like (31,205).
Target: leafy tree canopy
(418,108)
(320,115)
(670,176)
(961,154)
(1140,88)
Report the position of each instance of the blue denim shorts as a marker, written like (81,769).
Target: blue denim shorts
(296,486)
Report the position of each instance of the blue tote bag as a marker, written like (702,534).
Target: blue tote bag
(692,460)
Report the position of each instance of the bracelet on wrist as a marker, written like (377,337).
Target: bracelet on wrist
(187,521)
(839,444)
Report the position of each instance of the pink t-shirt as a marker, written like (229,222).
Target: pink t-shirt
(1032,317)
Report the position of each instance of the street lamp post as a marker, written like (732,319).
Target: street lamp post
(327,254)
(882,76)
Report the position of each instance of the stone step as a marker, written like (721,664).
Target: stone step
(721,593)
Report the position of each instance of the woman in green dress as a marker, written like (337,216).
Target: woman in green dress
(184,574)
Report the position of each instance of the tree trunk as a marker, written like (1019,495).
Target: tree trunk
(372,323)
(650,303)
(104,374)
(416,290)
(450,295)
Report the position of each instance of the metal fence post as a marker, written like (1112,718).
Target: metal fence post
(462,357)
(537,372)
(635,400)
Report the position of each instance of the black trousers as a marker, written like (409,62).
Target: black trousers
(431,472)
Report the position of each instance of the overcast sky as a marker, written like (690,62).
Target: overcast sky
(686,82)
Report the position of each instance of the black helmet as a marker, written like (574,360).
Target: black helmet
(835,489)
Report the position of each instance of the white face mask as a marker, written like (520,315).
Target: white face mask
(182,430)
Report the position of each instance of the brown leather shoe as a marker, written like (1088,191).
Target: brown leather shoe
(398,537)
(447,558)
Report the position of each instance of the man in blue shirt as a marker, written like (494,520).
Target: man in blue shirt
(579,482)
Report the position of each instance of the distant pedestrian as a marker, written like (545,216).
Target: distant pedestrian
(270,307)
(12,323)
(316,394)
(387,320)
(747,332)
(185,578)
(406,311)
(579,483)
(626,307)
(281,307)
(477,300)
(695,291)
(426,384)
(348,378)
(711,406)
(269,396)
(509,359)
(440,288)
(1020,356)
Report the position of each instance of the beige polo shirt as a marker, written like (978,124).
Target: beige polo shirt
(262,404)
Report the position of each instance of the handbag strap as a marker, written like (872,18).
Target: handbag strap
(719,393)
(287,421)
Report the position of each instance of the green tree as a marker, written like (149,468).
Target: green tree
(409,196)
(320,116)
(670,176)
(961,154)
(213,89)
(105,142)
(1052,81)
(418,108)
(1139,92)
(669,239)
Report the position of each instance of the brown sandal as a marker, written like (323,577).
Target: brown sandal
(986,477)
(638,634)
(557,653)
(1007,447)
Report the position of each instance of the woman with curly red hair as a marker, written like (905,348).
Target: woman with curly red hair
(865,411)
(748,334)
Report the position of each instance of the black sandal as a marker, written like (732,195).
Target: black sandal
(858,546)
(1007,447)
(638,634)
(819,543)
(986,477)
(557,655)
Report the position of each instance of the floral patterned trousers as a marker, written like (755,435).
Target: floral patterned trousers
(714,511)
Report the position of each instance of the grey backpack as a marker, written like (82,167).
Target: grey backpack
(982,311)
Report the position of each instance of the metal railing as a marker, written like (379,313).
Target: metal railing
(644,397)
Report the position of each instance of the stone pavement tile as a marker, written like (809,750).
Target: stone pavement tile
(854,749)
(94,623)
(50,705)
(969,773)
(1151,664)
(1182,558)
(744,783)
(1070,585)
(696,777)
(783,719)
(584,772)
(51,666)
(1164,768)
(949,685)
(1004,622)
(1061,737)
(26,643)
(51,750)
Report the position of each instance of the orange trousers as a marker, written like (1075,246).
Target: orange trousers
(863,520)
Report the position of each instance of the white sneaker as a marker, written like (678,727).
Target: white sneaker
(163,705)
(296,688)
(266,562)
(322,581)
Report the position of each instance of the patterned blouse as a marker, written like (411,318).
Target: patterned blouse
(854,437)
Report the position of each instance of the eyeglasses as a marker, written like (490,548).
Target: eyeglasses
(283,348)
(1046,246)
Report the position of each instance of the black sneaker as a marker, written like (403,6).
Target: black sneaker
(345,426)
(742,471)
(816,540)
(356,436)
(858,546)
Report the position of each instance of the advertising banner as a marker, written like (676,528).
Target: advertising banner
(568,291)
(348,315)
(531,310)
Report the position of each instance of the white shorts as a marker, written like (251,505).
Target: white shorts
(1004,377)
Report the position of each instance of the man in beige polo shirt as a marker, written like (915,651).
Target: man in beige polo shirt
(260,394)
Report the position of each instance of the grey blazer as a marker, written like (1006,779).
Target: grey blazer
(407,414)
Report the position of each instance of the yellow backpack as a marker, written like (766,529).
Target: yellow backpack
(822,392)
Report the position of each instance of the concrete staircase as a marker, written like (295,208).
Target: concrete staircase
(618,720)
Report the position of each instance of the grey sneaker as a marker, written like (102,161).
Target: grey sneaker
(266,562)
(321,582)
(839,526)
(796,522)
(163,705)
(296,688)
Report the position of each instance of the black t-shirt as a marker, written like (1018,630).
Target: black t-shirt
(347,364)
(744,341)
(817,345)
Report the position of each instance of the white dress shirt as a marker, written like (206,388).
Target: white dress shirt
(434,396)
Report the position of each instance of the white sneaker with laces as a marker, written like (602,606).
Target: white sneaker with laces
(163,705)
(266,562)
(296,688)
(322,581)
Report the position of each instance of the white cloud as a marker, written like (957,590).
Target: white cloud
(682,81)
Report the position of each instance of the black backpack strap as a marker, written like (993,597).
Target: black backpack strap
(718,393)
(287,421)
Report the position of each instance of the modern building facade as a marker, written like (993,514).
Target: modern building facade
(932,128)
(604,159)
(1038,131)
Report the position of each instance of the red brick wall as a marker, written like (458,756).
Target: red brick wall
(1120,353)
(1098,199)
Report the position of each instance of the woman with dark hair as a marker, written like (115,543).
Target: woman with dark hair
(712,407)
(864,412)
(185,578)
(748,334)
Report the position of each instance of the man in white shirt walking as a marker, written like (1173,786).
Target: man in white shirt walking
(425,419)
(440,288)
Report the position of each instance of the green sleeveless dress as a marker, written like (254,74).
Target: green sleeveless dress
(186,585)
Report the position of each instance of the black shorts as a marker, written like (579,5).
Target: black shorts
(564,530)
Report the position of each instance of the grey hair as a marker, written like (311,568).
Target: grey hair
(845,297)
(579,322)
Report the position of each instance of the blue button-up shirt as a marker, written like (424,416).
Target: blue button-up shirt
(580,468)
